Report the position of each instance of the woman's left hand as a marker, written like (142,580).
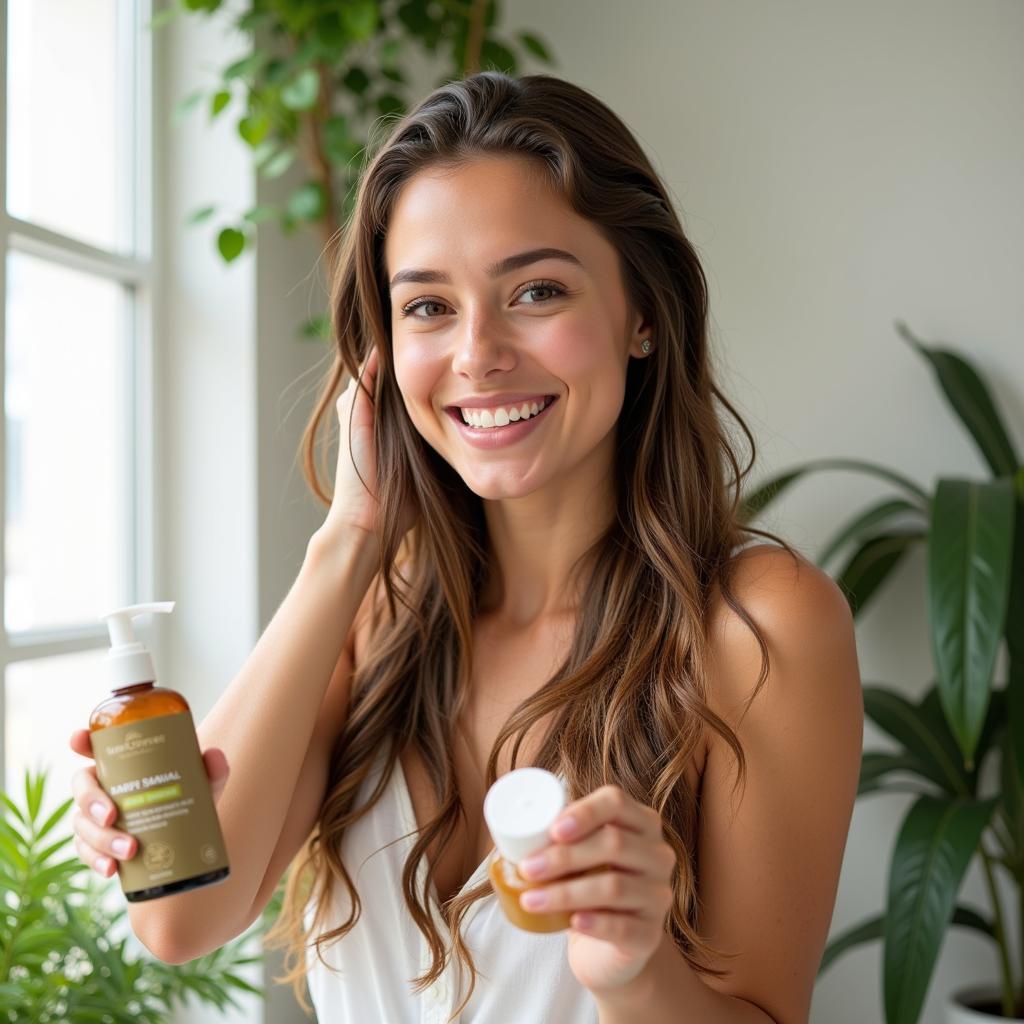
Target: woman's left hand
(618,914)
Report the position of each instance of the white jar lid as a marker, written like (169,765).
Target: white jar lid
(519,810)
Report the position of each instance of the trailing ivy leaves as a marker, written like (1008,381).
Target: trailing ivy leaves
(230,242)
(302,91)
(65,955)
(319,79)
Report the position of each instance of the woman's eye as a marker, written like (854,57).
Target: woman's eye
(535,286)
(541,288)
(413,306)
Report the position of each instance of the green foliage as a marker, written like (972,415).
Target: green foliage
(65,956)
(319,79)
(973,535)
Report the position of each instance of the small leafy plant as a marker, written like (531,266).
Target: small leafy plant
(973,534)
(66,956)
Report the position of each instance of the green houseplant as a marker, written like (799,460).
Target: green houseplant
(973,534)
(61,957)
(315,82)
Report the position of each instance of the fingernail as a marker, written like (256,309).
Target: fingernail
(121,846)
(534,899)
(98,811)
(533,866)
(104,864)
(565,827)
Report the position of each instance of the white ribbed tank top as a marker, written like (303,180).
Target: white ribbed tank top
(521,977)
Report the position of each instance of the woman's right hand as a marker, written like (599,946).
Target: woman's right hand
(355,483)
(97,843)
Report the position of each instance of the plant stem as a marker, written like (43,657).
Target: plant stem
(1008,997)
(475,36)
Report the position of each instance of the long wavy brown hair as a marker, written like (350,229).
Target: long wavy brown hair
(628,704)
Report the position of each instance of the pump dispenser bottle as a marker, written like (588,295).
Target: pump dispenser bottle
(149,763)
(519,810)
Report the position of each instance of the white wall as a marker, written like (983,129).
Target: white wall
(205,397)
(839,166)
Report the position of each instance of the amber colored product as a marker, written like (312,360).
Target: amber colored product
(519,810)
(148,761)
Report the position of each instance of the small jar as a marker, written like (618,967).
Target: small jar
(519,810)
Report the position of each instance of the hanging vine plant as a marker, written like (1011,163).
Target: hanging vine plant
(318,78)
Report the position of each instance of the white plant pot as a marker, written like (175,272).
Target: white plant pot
(960,1005)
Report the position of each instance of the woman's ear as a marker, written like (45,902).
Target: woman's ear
(641,343)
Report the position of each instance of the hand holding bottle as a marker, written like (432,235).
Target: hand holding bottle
(98,843)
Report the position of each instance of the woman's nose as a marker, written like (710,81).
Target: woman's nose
(480,347)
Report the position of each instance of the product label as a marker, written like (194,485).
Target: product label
(153,771)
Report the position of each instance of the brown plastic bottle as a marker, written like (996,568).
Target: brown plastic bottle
(149,763)
(519,809)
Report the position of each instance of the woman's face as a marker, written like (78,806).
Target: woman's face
(465,329)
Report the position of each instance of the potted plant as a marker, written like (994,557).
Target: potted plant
(65,955)
(973,535)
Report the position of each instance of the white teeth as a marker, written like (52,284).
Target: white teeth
(502,416)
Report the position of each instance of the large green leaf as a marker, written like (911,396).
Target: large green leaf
(866,523)
(872,564)
(753,503)
(934,847)
(972,402)
(969,549)
(1015,629)
(921,740)
(876,764)
(874,928)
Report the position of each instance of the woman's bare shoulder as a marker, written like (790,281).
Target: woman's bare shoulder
(790,600)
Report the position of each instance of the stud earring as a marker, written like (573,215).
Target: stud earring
(645,345)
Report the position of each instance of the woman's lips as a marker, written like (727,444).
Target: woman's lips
(499,437)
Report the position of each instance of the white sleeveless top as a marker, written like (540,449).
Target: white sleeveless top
(521,977)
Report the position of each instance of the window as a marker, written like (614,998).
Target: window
(75,277)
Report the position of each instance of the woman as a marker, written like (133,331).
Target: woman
(531,556)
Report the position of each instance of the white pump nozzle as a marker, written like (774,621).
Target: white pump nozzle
(129,662)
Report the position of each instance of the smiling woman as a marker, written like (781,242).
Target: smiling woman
(553,496)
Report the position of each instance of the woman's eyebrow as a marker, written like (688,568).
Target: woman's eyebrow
(503,266)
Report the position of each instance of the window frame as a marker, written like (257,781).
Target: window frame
(135,273)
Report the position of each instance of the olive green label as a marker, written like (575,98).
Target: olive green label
(153,771)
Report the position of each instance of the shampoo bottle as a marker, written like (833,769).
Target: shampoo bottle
(519,810)
(149,763)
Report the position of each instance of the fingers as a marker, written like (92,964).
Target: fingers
(368,373)
(612,890)
(90,797)
(97,843)
(100,863)
(611,845)
(364,380)
(217,769)
(79,742)
(607,804)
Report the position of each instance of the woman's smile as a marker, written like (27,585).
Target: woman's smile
(499,436)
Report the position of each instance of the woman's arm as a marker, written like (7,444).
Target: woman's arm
(271,724)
